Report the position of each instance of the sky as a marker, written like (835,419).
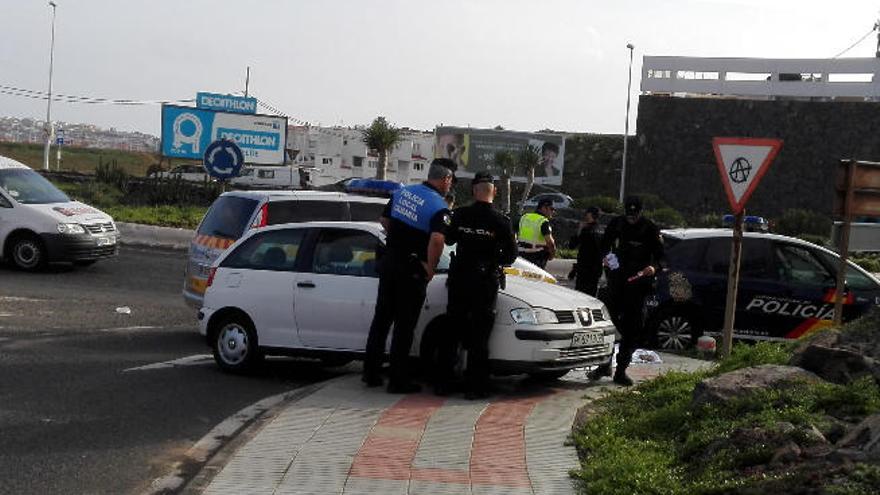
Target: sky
(522,64)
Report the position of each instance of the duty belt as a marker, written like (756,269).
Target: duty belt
(526,247)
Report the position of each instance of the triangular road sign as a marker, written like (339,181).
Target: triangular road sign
(742,162)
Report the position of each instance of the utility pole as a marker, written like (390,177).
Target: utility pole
(247,81)
(626,126)
(49,100)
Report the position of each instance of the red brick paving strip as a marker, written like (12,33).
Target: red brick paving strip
(498,454)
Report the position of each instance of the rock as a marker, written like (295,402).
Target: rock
(787,454)
(836,364)
(810,435)
(864,438)
(743,382)
(827,338)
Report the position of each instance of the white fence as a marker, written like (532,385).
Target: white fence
(843,78)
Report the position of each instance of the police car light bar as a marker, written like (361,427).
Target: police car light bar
(751,223)
(384,188)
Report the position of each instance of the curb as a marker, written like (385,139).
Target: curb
(135,234)
(205,451)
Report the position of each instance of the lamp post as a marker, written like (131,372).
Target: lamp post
(626,127)
(49,100)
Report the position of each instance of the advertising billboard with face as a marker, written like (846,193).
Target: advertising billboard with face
(478,149)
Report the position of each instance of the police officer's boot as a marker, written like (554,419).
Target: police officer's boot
(599,372)
(620,377)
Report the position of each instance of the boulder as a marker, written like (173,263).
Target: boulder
(864,438)
(742,382)
(827,338)
(787,454)
(836,364)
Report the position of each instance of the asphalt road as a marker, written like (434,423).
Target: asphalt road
(76,416)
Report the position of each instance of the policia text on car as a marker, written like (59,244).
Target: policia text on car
(416,220)
(485,243)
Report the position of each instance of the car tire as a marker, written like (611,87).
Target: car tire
(27,252)
(234,344)
(548,376)
(675,330)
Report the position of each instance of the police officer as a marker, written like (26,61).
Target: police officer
(416,220)
(588,242)
(635,252)
(485,243)
(536,242)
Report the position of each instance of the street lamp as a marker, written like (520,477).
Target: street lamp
(626,128)
(49,100)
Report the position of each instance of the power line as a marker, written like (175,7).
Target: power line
(857,42)
(42,95)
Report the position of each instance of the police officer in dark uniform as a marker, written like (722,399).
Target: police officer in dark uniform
(485,243)
(635,253)
(416,220)
(588,242)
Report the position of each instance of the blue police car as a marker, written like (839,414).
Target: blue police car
(786,287)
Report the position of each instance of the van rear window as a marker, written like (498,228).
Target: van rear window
(307,211)
(228,217)
(366,212)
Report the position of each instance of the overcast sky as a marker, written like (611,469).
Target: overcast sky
(526,65)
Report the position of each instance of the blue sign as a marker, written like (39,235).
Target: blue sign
(223,159)
(187,132)
(226,103)
(59,141)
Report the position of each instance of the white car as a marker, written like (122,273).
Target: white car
(40,224)
(310,289)
(559,200)
(189,173)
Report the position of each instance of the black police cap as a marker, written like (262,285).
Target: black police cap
(482,177)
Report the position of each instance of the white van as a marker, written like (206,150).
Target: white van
(40,224)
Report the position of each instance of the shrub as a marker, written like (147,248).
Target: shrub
(666,217)
(604,203)
(820,240)
(796,222)
(708,220)
(869,262)
(111,173)
(651,201)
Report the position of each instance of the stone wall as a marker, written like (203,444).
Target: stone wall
(673,155)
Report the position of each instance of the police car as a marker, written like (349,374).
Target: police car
(786,287)
(310,289)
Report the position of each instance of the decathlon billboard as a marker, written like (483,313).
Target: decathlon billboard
(476,149)
(187,132)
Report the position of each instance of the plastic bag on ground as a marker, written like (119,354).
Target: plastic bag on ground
(644,356)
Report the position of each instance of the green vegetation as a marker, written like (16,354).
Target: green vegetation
(870,262)
(187,217)
(381,137)
(804,223)
(653,440)
(84,160)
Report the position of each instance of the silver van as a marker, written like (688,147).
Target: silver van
(234,213)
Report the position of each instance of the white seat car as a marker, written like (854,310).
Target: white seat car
(310,289)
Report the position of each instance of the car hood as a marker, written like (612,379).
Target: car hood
(527,270)
(548,295)
(73,212)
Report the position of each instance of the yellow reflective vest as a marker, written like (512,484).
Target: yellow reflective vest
(530,229)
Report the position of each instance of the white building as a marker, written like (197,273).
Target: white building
(335,153)
(838,79)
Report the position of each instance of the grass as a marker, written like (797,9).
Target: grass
(654,441)
(75,159)
(187,217)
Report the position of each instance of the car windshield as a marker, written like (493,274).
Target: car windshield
(30,188)
(855,279)
(228,217)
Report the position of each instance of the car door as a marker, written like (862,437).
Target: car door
(259,277)
(336,294)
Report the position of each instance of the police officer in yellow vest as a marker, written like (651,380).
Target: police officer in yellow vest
(535,239)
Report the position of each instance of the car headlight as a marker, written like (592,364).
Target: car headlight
(605,313)
(533,316)
(71,228)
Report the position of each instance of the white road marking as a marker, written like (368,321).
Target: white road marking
(6,315)
(194,360)
(125,329)
(19,299)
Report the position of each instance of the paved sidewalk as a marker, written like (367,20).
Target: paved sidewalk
(348,439)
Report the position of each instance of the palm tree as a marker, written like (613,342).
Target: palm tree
(528,160)
(504,162)
(381,137)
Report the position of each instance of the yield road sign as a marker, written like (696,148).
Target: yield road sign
(742,162)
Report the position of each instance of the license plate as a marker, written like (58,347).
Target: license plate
(581,339)
(106,241)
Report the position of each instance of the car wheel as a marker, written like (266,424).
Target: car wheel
(548,376)
(27,252)
(675,330)
(235,345)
